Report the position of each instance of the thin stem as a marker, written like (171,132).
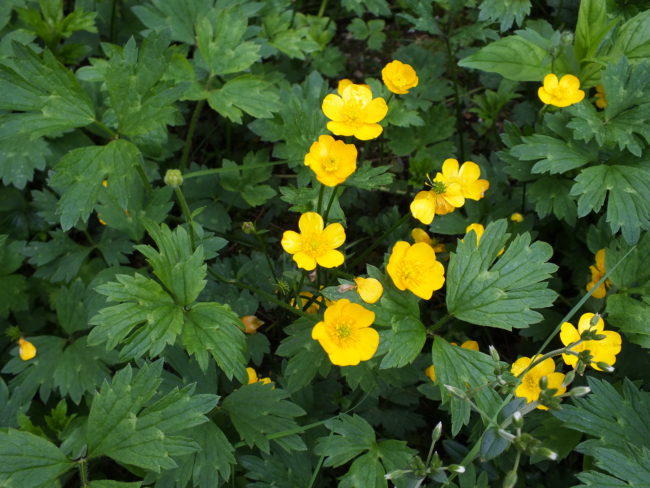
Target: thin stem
(431,330)
(321,192)
(266,255)
(323,6)
(143,176)
(216,171)
(190,133)
(378,241)
(107,131)
(329,204)
(83,472)
(186,213)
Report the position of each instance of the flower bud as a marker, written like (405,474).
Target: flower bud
(543,383)
(437,432)
(605,367)
(26,349)
(456,468)
(173,178)
(568,378)
(566,38)
(546,453)
(494,353)
(579,391)
(248,227)
(251,323)
(518,419)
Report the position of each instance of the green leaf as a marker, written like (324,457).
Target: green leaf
(492,444)
(633,40)
(127,426)
(246,93)
(513,57)
(353,436)
(220,39)
(467,370)
(29,461)
(553,156)
(502,292)
(404,343)
(591,28)
(369,177)
(257,411)
(179,16)
(359,7)
(78,178)
(632,271)
(505,11)
(58,259)
(627,189)
(630,316)
(247,178)
(365,471)
(20,156)
(551,195)
(620,437)
(114,484)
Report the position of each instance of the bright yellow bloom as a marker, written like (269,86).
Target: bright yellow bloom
(529,386)
(603,351)
(467,177)
(369,289)
(415,268)
(345,83)
(431,370)
(601,99)
(345,333)
(560,93)
(332,161)
(399,77)
(251,323)
(26,349)
(420,235)
(252,377)
(314,245)
(597,272)
(517,217)
(355,112)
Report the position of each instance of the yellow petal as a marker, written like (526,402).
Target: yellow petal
(431,372)
(291,242)
(343,84)
(420,235)
(369,289)
(473,345)
(423,207)
(26,350)
(333,106)
(333,235)
(367,343)
(519,365)
(366,132)
(585,323)
(544,96)
(469,172)
(569,83)
(341,128)
(550,82)
(375,111)
(395,263)
(310,222)
(252,376)
(600,260)
(450,168)
(304,261)
(330,259)
(568,333)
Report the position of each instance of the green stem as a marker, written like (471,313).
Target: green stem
(190,133)
(83,472)
(216,171)
(113,29)
(454,75)
(321,192)
(107,131)
(329,204)
(431,330)
(378,241)
(186,213)
(143,176)
(266,255)
(323,6)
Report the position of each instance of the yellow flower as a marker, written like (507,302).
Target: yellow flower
(597,272)
(345,83)
(314,245)
(355,112)
(517,217)
(314,305)
(431,370)
(345,333)
(26,349)
(414,268)
(399,77)
(529,387)
(251,323)
(369,289)
(420,235)
(603,351)
(560,93)
(252,377)
(601,99)
(467,177)
(332,161)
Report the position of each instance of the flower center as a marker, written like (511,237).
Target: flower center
(330,165)
(438,187)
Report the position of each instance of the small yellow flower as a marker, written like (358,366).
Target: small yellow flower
(399,77)
(105,183)
(26,349)
(332,161)
(603,351)
(415,268)
(597,272)
(467,177)
(354,112)
(100,220)
(251,323)
(529,387)
(369,289)
(479,230)
(560,93)
(345,333)
(431,370)
(601,99)
(252,377)
(517,217)
(420,235)
(315,244)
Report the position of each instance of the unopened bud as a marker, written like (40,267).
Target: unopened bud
(456,468)
(437,432)
(494,353)
(518,419)
(504,434)
(568,378)
(173,178)
(543,383)
(510,480)
(579,391)
(605,367)
(398,473)
(248,227)
(546,453)
(566,38)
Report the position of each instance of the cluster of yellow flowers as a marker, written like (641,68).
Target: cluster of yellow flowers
(602,353)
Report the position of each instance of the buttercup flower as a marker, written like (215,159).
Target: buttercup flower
(603,351)
(399,77)
(252,377)
(369,289)
(414,268)
(431,370)
(354,112)
(345,333)
(467,177)
(597,272)
(529,387)
(26,349)
(560,93)
(420,235)
(345,83)
(332,161)
(601,99)
(251,323)
(517,217)
(314,245)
